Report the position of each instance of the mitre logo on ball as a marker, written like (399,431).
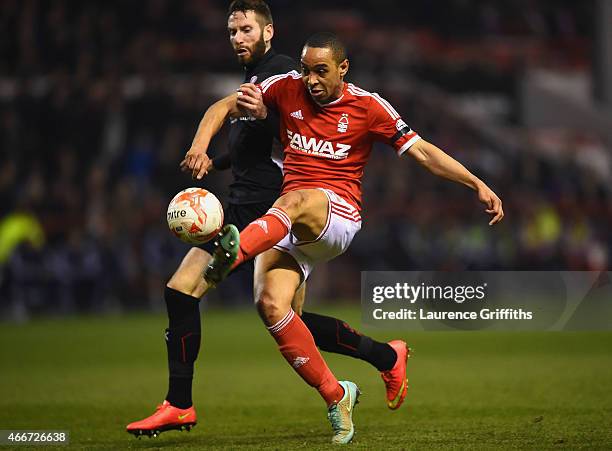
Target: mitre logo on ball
(195,215)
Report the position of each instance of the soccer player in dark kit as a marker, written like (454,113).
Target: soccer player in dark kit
(257,183)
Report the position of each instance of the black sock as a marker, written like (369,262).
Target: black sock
(334,335)
(183,343)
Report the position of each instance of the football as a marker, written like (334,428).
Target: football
(195,215)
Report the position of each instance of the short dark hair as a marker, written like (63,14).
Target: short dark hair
(327,40)
(259,7)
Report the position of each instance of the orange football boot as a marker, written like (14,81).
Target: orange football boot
(166,418)
(395,379)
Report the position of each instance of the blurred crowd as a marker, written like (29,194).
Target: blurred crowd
(99,102)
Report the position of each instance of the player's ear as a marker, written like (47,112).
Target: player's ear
(343,67)
(268,33)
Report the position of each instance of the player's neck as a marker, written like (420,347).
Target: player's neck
(338,94)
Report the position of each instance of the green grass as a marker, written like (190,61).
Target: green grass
(91,376)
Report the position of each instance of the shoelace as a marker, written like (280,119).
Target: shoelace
(335,417)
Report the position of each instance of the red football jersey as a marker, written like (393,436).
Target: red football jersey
(327,146)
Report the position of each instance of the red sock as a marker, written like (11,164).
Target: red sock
(262,234)
(298,347)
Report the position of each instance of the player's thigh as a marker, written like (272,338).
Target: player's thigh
(275,281)
(188,277)
(308,210)
(298,299)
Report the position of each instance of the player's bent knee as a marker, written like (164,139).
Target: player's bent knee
(187,282)
(269,308)
(291,202)
(181,285)
(188,277)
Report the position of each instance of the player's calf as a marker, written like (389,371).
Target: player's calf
(183,344)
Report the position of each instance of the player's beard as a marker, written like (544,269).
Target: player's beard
(256,53)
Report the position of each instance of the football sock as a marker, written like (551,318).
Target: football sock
(183,343)
(263,233)
(334,335)
(298,347)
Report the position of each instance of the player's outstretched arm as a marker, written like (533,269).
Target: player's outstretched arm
(443,165)
(196,160)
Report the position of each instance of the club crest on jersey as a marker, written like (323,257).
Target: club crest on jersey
(318,147)
(343,123)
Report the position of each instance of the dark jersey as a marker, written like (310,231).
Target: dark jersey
(256,177)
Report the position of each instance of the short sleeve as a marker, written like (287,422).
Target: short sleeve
(273,87)
(387,125)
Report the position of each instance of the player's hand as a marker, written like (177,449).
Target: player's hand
(197,162)
(297,304)
(250,101)
(492,202)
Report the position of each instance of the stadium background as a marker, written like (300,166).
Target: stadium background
(99,102)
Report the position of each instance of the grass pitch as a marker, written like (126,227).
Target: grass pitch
(91,376)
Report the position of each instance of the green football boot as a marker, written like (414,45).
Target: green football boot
(227,245)
(341,415)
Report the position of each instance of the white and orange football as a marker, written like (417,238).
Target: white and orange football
(195,215)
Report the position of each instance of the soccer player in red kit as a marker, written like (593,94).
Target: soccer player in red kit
(328,128)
